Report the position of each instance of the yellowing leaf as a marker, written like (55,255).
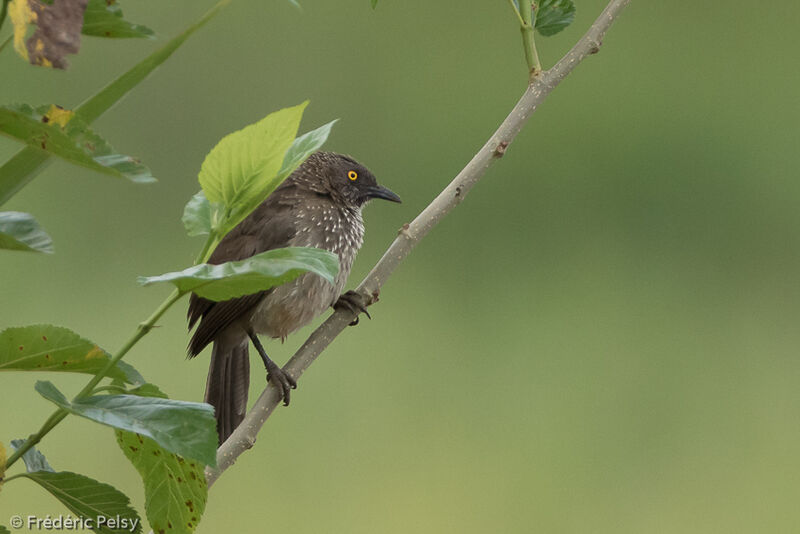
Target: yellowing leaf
(58,115)
(58,30)
(21,15)
(74,140)
(96,352)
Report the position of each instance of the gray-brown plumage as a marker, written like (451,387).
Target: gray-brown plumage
(319,205)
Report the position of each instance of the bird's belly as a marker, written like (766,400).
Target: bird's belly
(293,305)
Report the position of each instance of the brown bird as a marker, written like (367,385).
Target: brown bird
(319,206)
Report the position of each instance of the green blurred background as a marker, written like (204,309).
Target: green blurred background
(602,338)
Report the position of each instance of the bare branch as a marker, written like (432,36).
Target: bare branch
(245,435)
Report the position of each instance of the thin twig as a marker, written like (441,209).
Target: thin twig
(245,435)
(528,39)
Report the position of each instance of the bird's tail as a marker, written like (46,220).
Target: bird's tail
(227,384)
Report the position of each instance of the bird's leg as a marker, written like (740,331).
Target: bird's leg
(354,302)
(278,376)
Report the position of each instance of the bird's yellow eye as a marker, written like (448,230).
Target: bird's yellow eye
(352,175)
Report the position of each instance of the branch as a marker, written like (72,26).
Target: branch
(245,435)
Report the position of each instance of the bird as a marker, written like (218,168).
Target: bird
(319,205)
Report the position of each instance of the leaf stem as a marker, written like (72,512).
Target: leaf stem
(142,330)
(33,439)
(208,248)
(528,41)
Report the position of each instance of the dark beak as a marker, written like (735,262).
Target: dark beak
(381,192)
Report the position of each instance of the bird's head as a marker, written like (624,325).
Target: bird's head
(341,177)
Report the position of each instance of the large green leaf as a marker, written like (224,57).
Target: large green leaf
(20,231)
(302,147)
(61,133)
(4,530)
(175,489)
(45,347)
(257,273)
(239,170)
(28,162)
(103,18)
(185,428)
(34,460)
(552,16)
(91,500)
(200,216)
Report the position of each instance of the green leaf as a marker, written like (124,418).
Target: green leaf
(17,172)
(257,273)
(239,169)
(200,216)
(103,18)
(302,147)
(4,530)
(90,499)
(20,231)
(61,133)
(34,460)
(185,428)
(552,16)
(374,4)
(46,347)
(175,489)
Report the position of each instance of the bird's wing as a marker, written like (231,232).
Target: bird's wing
(270,226)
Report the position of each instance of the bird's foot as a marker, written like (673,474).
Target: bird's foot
(282,380)
(354,302)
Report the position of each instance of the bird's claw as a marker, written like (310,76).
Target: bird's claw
(283,381)
(353,302)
